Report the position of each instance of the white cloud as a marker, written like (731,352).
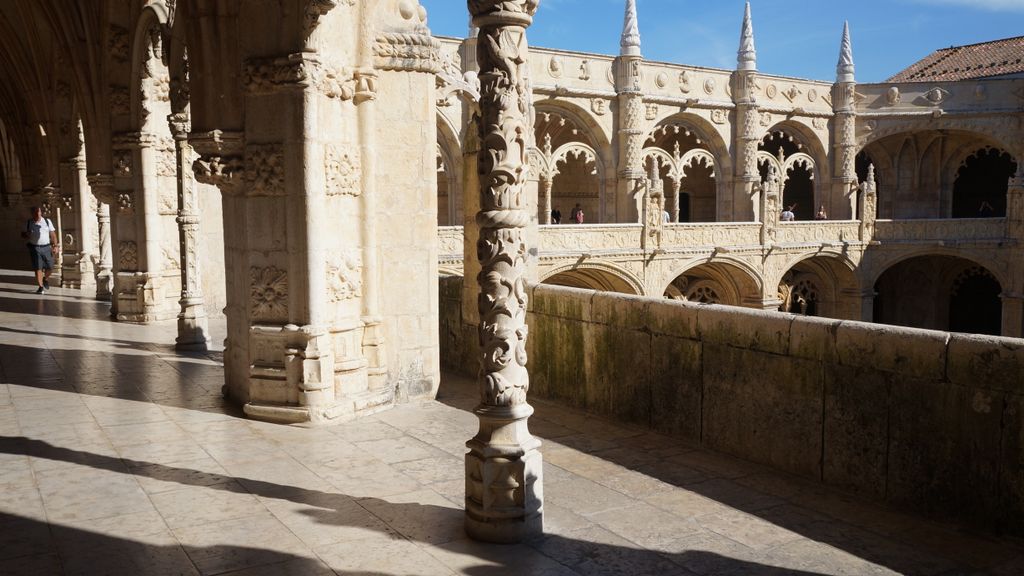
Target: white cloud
(993,5)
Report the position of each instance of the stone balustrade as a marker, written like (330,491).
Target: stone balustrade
(928,421)
(818,232)
(949,230)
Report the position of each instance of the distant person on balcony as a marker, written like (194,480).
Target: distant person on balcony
(41,239)
(577,214)
(986,210)
(665,217)
(788,215)
(556,216)
(821,215)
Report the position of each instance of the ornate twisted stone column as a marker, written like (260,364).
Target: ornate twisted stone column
(102,186)
(504,496)
(193,329)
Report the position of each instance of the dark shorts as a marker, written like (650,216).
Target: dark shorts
(42,257)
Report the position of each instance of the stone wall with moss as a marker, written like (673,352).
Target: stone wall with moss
(928,421)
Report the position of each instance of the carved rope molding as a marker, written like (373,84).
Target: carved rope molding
(408,52)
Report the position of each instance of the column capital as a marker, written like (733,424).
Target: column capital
(102,186)
(491,13)
(220,162)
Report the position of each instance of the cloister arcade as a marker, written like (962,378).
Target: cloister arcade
(303,175)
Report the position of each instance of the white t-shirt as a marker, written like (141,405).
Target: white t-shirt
(39,231)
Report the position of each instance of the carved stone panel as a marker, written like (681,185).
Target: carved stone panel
(268,294)
(264,170)
(343,173)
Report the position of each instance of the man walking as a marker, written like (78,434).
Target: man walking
(41,239)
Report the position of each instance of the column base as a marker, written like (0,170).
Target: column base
(504,478)
(141,297)
(193,328)
(344,410)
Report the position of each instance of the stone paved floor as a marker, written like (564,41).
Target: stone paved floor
(117,456)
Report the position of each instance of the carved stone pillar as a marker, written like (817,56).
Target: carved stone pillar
(844,145)
(844,136)
(193,329)
(145,266)
(631,140)
(868,205)
(546,183)
(79,244)
(675,201)
(504,496)
(102,186)
(1015,205)
(747,131)
(747,137)
(770,206)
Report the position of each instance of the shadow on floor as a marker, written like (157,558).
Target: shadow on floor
(333,508)
(181,380)
(852,524)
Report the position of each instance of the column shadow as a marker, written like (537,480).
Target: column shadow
(329,508)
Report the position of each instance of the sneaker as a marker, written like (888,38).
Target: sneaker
(39,290)
(46,284)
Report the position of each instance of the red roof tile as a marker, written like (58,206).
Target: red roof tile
(984,60)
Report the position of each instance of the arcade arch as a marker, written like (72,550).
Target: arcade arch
(716,283)
(963,296)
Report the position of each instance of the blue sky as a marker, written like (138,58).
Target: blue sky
(794,37)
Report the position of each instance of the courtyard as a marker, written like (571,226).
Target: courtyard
(120,456)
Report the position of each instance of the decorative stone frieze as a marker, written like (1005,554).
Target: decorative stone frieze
(297,72)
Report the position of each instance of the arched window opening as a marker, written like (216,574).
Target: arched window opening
(688,171)
(981,184)
(939,293)
(974,304)
(567,152)
(799,294)
(862,162)
(798,191)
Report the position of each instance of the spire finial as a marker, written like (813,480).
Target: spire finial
(630,42)
(845,68)
(747,55)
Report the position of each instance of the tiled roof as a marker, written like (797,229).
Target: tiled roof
(985,60)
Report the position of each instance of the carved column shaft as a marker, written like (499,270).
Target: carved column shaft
(631,138)
(546,184)
(675,201)
(844,145)
(193,329)
(504,501)
(748,135)
(868,205)
(102,186)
